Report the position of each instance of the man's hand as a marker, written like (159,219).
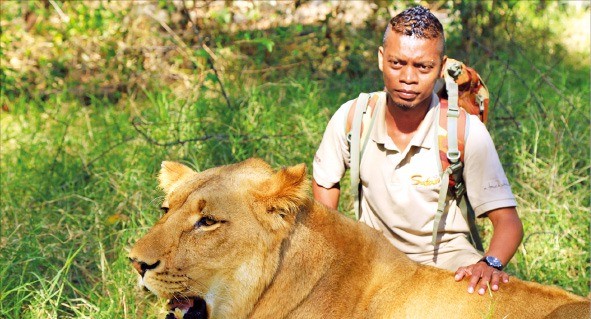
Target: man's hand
(507,235)
(481,275)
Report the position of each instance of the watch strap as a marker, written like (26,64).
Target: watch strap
(498,266)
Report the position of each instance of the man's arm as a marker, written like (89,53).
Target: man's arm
(327,196)
(507,235)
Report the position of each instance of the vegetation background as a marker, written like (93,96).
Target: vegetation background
(95,94)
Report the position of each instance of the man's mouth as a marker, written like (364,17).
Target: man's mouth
(406,94)
(186,308)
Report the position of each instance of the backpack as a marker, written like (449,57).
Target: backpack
(461,92)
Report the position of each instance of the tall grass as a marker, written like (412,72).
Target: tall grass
(79,158)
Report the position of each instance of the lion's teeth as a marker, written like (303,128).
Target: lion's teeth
(179,313)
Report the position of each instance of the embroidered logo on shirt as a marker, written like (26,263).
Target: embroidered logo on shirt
(494,184)
(419,180)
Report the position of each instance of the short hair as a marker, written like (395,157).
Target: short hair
(417,22)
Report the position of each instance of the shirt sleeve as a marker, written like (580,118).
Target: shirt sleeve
(486,183)
(332,157)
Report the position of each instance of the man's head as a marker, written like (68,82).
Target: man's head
(411,57)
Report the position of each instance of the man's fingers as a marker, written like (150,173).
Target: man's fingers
(475,278)
(463,272)
(485,279)
(460,273)
(481,278)
(505,277)
(496,277)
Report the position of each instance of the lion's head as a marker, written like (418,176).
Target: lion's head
(221,230)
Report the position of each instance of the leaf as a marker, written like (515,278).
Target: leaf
(268,43)
(211,77)
(201,53)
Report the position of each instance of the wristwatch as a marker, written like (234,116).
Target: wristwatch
(493,262)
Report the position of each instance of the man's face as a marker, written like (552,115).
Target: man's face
(410,67)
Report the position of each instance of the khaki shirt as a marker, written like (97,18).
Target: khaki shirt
(400,188)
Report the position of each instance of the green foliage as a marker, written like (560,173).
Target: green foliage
(93,104)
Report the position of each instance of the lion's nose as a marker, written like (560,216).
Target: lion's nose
(142,267)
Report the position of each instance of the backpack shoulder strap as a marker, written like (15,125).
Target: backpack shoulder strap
(354,136)
(359,123)
(451,135)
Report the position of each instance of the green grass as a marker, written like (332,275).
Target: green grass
(83,138)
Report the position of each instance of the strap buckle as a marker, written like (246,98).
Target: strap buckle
(456,166)
(453,111)
(454,157)
(459,188)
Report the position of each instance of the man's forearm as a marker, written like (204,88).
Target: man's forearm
(507,234)
(327,196)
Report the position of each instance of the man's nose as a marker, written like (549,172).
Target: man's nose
(408,74)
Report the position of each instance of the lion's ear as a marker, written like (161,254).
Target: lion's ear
(170,173)
(283,195)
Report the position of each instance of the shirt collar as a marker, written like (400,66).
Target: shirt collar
(420,139)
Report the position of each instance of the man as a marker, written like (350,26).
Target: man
(399,171)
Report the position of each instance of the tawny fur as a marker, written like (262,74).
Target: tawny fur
(275,253)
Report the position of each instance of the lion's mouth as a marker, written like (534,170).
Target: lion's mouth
(186,308)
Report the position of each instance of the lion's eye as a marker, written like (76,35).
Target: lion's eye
(164,209)
(205,221)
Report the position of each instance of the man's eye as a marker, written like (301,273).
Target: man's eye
(164,209)
(395,64)
(424,68)
(205,221)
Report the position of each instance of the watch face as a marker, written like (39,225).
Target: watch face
(494,262)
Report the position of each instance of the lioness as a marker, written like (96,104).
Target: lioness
(254,244)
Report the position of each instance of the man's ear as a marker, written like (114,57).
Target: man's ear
(170,173)
(443,61)
(283,195)
(381,58)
